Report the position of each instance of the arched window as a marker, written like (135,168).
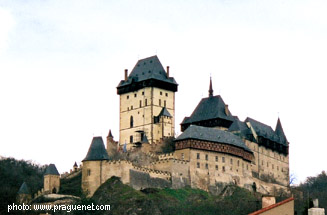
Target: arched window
(131,122)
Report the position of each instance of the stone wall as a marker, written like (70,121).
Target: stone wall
(143,105)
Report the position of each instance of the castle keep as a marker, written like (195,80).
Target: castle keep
(215,149)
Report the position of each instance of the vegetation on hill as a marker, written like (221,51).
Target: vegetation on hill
(312,188)
(72,185)
(12,175)
(125,200)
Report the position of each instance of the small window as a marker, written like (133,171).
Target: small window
(135,95)
(207,157)
(238,163)
(132,107)
(223,159)
(88,172)
(131,123)
(127,108)
(167,94)
(197,155)
(216,167)
(247,167)
(216,158)
(207,166)
(131,139)
(146,102)
(159,102)
(165,103)
(231,161)
(140,103)
(160,93)
(223,169)
(198,165)
(182,156)
(127,97)
(143,93)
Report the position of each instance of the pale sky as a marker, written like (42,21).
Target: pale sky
(61,61)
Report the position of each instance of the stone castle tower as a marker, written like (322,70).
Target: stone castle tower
(147,103)
(51,179)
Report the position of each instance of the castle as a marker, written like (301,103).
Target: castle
(214,150)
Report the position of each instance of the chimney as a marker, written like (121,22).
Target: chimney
(267,201)
(167,71)
(226,110)
(126,71)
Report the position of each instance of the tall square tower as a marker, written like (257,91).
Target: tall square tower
(147,103)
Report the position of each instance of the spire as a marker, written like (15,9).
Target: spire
(97,151)
(210,88)
(280,132)
(75,164)
(110,134)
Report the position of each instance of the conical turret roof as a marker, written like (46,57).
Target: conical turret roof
(280,132)
(51,170)
(97,151)
(23,189)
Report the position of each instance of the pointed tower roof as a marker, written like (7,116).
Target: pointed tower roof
(147,72)
(144,139)
(164,112)
(23,189)
(51,170)
(110,134)
(210,88)
(280,132)
(75,164)
(97,151)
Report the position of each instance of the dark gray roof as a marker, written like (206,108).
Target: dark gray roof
(264,130)
(148,68)
(212,135)
(51,170)
(280,132)
(97,151)
(212,107)
(23,189)
(164,112)
(145,139)
(75,164)
(240,127)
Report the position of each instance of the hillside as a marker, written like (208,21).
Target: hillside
(125,200)
(12,174)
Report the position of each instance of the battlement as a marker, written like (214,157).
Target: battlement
(166,156)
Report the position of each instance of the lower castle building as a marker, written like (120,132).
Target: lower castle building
(214,150)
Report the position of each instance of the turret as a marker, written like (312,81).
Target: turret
(24,194)
(51,179)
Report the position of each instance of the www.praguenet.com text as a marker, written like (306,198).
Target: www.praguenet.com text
(54,208)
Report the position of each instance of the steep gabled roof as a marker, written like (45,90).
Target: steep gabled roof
(164,112)
(212,107)
(147,69)
(97,151)
(51,170)
(212,135)
(23,189)
(240,127)
(280,132)
(264,130)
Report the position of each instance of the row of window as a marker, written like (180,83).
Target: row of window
(146,103)
(272,166)
(216,159)
(135,95)
(217,168)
